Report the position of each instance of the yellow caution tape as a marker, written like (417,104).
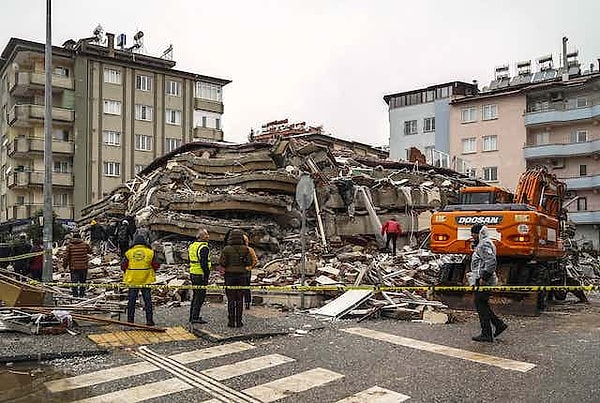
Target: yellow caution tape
(20,257)
(299,288)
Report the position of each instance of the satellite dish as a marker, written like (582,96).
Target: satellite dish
(304,192)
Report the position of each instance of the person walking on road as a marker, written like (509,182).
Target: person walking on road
(77,261)
(139,266)
(235,257)
(247,292)
(392,230)
(483,272)
(200,266)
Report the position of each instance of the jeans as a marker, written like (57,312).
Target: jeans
(79,276)
(132,299)
(198,295)
(235,298)
(487,317)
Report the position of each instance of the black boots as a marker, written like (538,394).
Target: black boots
(483,338)
(500,328)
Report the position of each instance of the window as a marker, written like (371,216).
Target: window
(60,134)
(143,142)
(218,124)
(490,174)
(20,200)
(173,117)
(581,102)
(61,71)
(582,170)
(468,115)
(143,112)
(171,144)
(410,127)
(212,92)
(143,83)
(203,121)
(579,136)
(490,143)
(471,172)
(62,167)
(429,96)
(581,204)
(112,107)
(469,145)
(173,88)
(112,168)
(111,138)
(112,76)
(61,199)
(489,112)
(428,125)
(542,138)
(139,168)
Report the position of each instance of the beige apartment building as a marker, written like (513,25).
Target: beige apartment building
(114,111)
(550,117)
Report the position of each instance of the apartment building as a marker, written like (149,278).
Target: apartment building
(549,117)
(420,118)
(563,133)
(114,110)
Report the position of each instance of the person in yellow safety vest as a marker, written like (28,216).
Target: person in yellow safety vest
(247,292)
(200,266)
(139,265)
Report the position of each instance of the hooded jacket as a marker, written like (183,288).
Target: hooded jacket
(139,264)
(483,260)
(235,257)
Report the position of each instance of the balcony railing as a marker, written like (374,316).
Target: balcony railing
(27,210)
(207,133)
(585,217)
(561,112)
(563,149)
(36,178)
(22,146)
(437,158)
(28,80)
(25,113)
(208,105)
(583,182)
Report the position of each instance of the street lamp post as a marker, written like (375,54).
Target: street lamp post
(48,221)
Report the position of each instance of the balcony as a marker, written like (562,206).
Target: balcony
(562,114)
(208,105)
(26,179)
(561,150)
(23,115)
(585,217)
(22,146)
(207,133)
(583,182)
(26,81)
(27,210)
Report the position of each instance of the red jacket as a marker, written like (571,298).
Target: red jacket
(391,227)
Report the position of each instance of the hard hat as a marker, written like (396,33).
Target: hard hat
(94,222)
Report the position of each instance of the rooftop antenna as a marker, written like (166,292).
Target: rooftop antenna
(168,53)
(139,42)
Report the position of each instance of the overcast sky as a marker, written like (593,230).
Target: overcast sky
(326,62)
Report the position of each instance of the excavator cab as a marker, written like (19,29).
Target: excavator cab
(484,195)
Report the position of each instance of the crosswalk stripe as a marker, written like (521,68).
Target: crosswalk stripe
(284,387)
(443,350)
(142,392)
(375,395)
(112,374)
(245,367)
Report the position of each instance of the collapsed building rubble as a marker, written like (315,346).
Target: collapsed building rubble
(218,186)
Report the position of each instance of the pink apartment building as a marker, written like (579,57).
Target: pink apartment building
(551,118)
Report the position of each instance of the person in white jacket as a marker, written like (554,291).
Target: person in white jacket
(483,272)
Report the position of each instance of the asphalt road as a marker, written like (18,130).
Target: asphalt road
(563,346)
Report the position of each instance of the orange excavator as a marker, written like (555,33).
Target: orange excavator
(526,227)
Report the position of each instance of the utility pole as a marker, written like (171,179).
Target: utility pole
(48,221)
